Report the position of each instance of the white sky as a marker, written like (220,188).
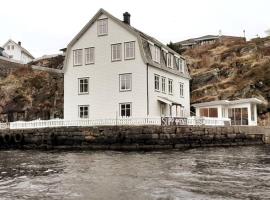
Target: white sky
(45,26)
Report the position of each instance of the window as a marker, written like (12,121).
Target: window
(125,109)
(208,112)
(8,47)
(181,65)
(125,82)
(155,52)
(102,27)
(90,55)
(83,85)
(157,82)
(77,57)
(116,52)
(223,112)
(169,60)
(163,84)
(12,47)
(252,112)
(181,89)
(170,84)
(238,116)
(177,62)
(129,50)
(84,111)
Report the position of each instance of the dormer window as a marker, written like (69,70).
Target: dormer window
(169,60)
(155,52)
(181,65)
(102,27)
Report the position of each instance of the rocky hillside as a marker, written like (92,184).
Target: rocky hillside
(231,69)
(27,94)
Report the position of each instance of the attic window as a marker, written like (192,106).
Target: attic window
(169,60)
(155,52)
(102,27)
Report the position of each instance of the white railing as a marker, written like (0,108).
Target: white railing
(190,121)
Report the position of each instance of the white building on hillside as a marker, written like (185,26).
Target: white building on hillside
(15,51)
(241,112)
(112,69)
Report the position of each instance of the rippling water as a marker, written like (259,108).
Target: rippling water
(208,173)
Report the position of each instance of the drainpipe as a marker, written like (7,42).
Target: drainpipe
(147,89)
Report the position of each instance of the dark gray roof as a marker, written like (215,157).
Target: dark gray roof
(194,40)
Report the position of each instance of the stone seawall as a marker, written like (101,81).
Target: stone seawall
(132,137)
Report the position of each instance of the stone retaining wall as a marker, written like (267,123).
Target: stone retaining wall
(132,137)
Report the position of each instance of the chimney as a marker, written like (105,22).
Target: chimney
(126,18)
(19,43)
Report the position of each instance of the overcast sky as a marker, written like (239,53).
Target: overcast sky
(45,26)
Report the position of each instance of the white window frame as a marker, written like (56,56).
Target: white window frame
(181,65)
(129,49)
(116,47)
(157,80)
(77,57)
(169,60)
(163,84)
(102,27)
(124,77)
(155,52)
(89,55)
(83,116)
(181,89)
(120,109)
(81,82)
(170,86)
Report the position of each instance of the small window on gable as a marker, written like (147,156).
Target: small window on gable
(102,27)
(129,50)
(77,57)
(90,55)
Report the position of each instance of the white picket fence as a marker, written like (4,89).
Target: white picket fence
(192,121)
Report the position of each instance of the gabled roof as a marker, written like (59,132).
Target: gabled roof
(142,40)
(227,103)
(19,46)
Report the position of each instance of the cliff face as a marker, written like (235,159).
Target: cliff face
(231,69)
(27,94)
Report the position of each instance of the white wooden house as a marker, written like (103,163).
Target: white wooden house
(112,69)
(16,52)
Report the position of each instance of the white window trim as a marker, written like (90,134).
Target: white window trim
(99,33)
(169,55)
(170,92)
(156,75)
(163,78)
(125,90)
(79,111)
(79,85)
(125,45)
(90,61)
(74,55)
(125,103)
(116,59)
(181,91)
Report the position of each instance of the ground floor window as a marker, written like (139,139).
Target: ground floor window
(83,111)
(238,116)
(208,112)
(125,109)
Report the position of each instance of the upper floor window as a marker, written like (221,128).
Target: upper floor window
(125,82)
(77,57)
(155,52)
(157,82)
(129,50)
(8,47)
(83,85)
(116,52)
(102,27)
(84,111)
(163,84)
(90,55)
(125,109)
(170,86)
(12,47)
(181,89)
(181,65)
(169,60)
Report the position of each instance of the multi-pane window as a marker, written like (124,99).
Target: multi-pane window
(84,111)
(90,55)
(163,84)
(83,85)
(129,50)
(77,57)
(125,109)
(181,65)
(181,89)
(169,60)
(155,52)
(252,108)
(102,27)
(116,52)
(170,86)
(125,82)
(157,77)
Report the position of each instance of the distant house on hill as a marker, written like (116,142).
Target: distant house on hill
(204,40)
(17,52)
